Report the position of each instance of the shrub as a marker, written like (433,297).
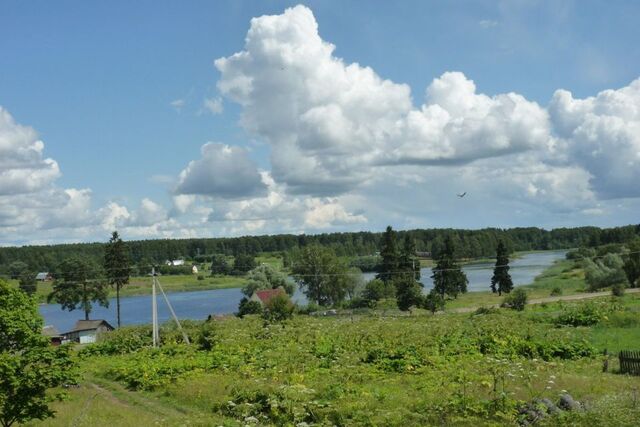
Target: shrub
(308,309)
(617,290)
(485,310)
(580,253)
(604,272)
(200,277)
(207,336)
(433,301)
(247,306)
(277,309)
(516,300)
(376,289)
(556,291)
(588,314)
(127,339)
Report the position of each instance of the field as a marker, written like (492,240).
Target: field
(370,370)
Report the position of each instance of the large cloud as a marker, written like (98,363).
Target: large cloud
(23,169)
(329,122)
(602,135)
(223,171)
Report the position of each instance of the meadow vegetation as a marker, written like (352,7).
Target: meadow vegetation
(423,369)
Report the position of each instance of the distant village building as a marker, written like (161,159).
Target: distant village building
(194,269)
(263,296)
(86,331)
(423,254)
(44,277)
(175,262)
(51,332)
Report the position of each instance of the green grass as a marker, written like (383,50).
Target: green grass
(182,283)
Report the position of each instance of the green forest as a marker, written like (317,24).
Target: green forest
(468,243)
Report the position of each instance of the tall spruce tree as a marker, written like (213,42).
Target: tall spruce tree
(390,256)
(501,280)
(408,261)
(117,266)
(448,277)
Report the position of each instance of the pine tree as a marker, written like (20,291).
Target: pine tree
(501,276)
(76,286)
(448,277)
(117,266)
(390,256)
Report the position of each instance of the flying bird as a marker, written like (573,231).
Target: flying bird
(462,195)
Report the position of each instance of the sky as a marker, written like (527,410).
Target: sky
(204,119)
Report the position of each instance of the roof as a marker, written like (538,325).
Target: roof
(50,331)
(85,325)
(265,295)
(41,276)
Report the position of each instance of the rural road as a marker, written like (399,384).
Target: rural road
(551,299)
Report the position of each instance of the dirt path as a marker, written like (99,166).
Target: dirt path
(574,297)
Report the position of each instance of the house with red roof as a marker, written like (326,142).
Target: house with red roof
(263,296)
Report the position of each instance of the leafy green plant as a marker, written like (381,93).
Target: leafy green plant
(516,300)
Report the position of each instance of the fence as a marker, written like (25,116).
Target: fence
(629,362)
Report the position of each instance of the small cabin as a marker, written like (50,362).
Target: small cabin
(44,277)
(86,331)
(263,296)
(51,332)
(175,263)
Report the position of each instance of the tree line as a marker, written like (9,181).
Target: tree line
(468,243)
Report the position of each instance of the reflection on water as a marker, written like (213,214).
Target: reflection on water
(200,304)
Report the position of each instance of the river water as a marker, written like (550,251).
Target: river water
(200,304)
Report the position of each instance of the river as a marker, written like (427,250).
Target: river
(200,304)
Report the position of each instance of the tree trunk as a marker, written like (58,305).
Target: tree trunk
(118,303)
(85,302)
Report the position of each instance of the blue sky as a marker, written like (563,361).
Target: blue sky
(116,92)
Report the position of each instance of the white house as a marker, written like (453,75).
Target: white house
(175,262)
(44,277)
(86,331)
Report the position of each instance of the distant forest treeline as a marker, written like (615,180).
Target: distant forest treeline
(469,244)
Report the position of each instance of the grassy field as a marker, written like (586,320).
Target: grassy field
(366,370)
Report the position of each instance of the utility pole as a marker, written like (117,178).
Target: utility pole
(154,309)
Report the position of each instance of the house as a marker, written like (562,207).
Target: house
(194,269)
(175,262)
(263,296)
(423,254)
(53,334)
(86,331)
(44,277)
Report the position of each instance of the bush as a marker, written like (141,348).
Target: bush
(308,309)
(433,301)
(376,290)
(604,272)
(617,290)
(580,253)
(200,277)
(207,336)
(556,291)
(516,300)
(587,314)
(277,309)
(247,306)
